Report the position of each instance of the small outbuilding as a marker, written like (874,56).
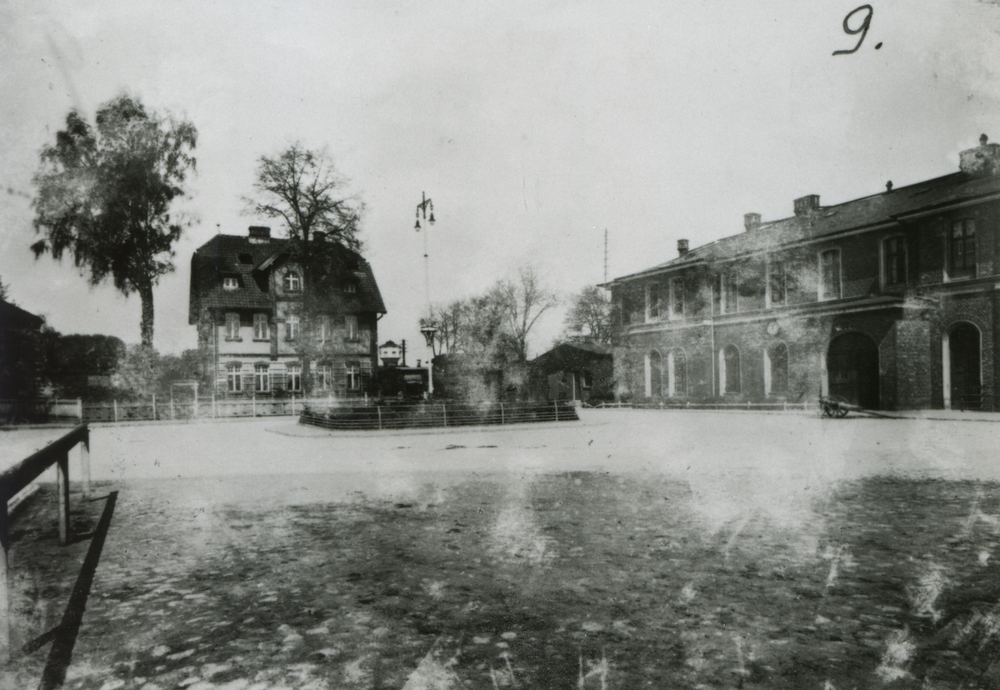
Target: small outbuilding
(573,370)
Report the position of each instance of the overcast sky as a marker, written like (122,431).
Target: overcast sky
(533,126)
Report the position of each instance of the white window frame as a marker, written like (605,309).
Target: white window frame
(949,267)
(232,331)
(352,375)
(821,294)
(324,376)
(652,306)
(230,283)
(676,289)
(293,374)
(672,390)
(234,378)
(261,378)
(292,327)
(324,328)
(293,282)
(351,325)
(259,333)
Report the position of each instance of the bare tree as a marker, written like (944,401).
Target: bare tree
(523,300)
(303,189)
(589,315)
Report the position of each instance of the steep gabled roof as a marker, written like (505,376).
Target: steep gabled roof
(867,212)
(237,257)
(13,317)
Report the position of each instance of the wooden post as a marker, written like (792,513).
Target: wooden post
(254,406)
(293,404)
(85,463)
(154,407)
(116,410)
(556,403)
(215,412)
(379,418)
(171,404)
(79,409)
(444,414)
(501,415)
(4,585)
(62,485)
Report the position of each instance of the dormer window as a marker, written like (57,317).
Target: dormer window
(230,283)
(350,287)
(293,283)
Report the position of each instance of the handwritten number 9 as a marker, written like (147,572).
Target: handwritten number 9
(863,29)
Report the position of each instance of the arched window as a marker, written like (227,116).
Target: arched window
(676,374)
(776,368)
(653,373)
(729,369)
(293,283)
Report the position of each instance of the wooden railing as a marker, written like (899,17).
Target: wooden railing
(18,477)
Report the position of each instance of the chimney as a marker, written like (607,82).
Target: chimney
(982,160)
(751,221)
(806,204)
(260,234)
(682,247)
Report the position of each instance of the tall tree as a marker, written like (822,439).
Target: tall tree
(302,189)
(104,194)
(589,315)
(523,300)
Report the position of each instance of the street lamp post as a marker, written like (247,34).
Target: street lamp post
(429,331)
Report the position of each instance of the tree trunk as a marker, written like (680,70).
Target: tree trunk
(146,295)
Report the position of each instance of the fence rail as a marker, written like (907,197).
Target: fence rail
(428,415)
(16,478)
(772,406)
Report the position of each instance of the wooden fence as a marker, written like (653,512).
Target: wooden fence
(15,479)
(424,415)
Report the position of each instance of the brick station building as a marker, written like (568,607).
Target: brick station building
(891,301)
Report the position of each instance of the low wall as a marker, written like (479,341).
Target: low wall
(426,415)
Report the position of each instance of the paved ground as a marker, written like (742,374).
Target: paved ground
(647,548)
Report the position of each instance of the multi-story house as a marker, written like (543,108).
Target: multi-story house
(889,301)
(256,336)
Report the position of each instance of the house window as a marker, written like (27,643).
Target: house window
(829,274)
(324,376)
(351,324)
(775,284)
(653,372)
(729,369)
(676,374)
(230,283)
(323,332)
(261,378)
(294,377)
(353,372)
(677,298)
(293,283)
(776,368)
(962,250)
(728,293)
(350,287)
(894,261)
(652,302)
(292,327)
(234,380)
(260,329)
(232,326)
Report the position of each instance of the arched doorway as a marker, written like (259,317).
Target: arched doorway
(852,367)
(964,357)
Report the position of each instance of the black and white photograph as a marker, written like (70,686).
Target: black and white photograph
(500,346)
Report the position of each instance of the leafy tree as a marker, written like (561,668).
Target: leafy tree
(589,315)
(104,195)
